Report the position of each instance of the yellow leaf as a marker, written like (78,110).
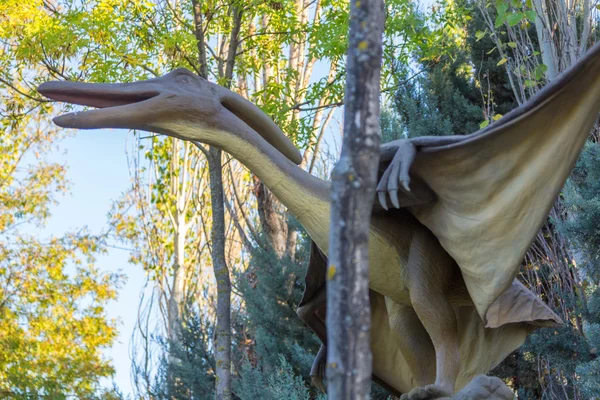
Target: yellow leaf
(331,272)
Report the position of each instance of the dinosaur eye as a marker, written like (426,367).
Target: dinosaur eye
(184,79)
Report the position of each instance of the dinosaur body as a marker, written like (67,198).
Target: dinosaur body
(416,287)
(445,304)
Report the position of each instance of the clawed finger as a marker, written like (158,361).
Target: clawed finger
(408,157)
(382,188)
(396,176)
(382,200)
(394,198)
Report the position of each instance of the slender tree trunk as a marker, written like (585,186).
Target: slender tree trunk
(545,39)
(272,218)
(199,33)
(223,348)
(354,179)
(219,261)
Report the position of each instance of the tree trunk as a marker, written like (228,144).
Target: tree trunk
(545,39)
(223,329)
(223,348)
(272,217)
(354,179)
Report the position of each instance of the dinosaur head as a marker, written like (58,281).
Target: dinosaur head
(179,104)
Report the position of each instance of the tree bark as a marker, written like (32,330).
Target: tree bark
(545,39)
(219,261)
(223,348)
(272,217)
(354,179)
(199,33)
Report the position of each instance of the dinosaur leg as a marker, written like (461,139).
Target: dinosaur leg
(313,315)
(317,372)
(430,272)
(414,341)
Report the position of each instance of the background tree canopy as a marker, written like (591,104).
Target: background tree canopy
(450,67)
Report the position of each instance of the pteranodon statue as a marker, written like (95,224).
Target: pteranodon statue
(443,258)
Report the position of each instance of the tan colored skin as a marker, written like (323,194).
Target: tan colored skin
(421,285)
(418,292)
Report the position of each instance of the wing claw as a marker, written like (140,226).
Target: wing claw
(382,200)
(396,176)
(405,184)
(394,198)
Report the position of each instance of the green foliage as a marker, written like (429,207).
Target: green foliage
(572,349)
(493,87)
(280,382)
(273,350)
(53,321)
(582,203)
(278,363)
(582,226)
(391,125)
(442,93)
(187,365)
(589,378)
(589,372)
(272,289)
(440,102)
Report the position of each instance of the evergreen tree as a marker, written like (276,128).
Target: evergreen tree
(187,365)
(440,102)
(282,347)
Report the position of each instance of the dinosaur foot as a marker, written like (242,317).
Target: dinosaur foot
(429,392)
(484,387)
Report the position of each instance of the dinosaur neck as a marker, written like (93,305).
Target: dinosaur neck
(305,196)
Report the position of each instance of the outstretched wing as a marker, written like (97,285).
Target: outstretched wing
(494,188)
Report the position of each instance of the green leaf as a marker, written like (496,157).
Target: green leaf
(484,124)
(503,61)
(531,15)
(500,19)
(512,45)
(502,8)
(514,18)
(530,83)
(479,35)
(540,71)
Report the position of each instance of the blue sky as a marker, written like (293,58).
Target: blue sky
(97,168)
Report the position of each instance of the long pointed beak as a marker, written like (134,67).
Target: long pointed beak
(149,105)
(118,103)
